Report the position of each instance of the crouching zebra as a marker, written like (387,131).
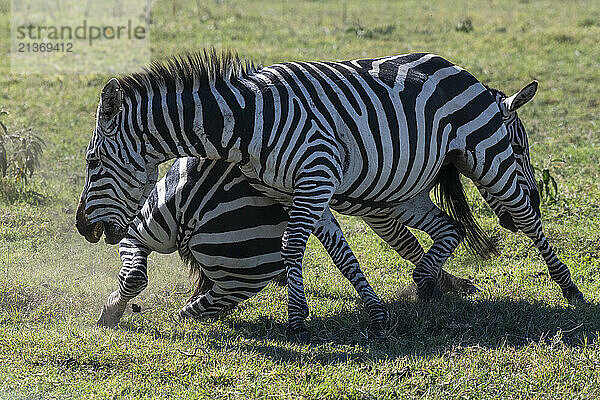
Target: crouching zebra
(230,236)
(367,137)
(227,232)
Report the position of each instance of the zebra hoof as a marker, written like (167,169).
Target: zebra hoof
(429,291)
(448,283)
(574,295)
(298,335)
(107,321)
(183,314)
(378,329)
(112,311)
(378,333)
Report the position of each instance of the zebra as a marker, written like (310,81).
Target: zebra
(229,234)
(367,137)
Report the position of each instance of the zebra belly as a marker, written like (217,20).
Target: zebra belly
(266,184)
(247,256)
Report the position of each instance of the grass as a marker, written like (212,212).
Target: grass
(517,338)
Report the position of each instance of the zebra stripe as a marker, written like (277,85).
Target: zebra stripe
(228,233)
(366,137)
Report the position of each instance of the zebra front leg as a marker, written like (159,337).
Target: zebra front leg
(329,232)
(133,279)
(517,212)
(422,214)
(408,247)
(311,198)
(559,272)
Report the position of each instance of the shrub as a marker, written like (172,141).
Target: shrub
(546,183)
(20,152)
(464,25)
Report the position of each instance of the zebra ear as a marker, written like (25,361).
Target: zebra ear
(515,101)
(111,101)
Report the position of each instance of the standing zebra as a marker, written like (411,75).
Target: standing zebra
(230,236)
(367,137)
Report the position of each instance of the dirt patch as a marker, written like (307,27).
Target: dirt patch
(29,304)
(19,299)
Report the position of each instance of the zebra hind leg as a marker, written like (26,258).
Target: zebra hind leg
(217,300)
(281,279)
(329,232)
(422,214)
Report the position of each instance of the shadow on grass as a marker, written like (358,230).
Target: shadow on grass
(425,329)
(432,329)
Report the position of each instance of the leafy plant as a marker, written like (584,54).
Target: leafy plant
(3,155)
(27,148)
(20,152)
(546,183)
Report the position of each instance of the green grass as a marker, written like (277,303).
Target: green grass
(517,338)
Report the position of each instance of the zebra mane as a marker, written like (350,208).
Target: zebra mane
(499,96)
(495,92)
(189,70)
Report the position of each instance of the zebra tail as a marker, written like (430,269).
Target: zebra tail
(450,196)
(202,283)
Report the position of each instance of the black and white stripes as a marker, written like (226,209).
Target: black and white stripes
(368,137)
(230,236)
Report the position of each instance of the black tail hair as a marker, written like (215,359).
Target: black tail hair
(202,283)
(450,196)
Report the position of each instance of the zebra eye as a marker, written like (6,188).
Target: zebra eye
(518,149)
(93,163)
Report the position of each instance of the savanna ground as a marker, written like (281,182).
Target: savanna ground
(517,338)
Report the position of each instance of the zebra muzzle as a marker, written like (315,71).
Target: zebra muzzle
(91,232)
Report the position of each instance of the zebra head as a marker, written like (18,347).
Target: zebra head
(520,146)
(118,178)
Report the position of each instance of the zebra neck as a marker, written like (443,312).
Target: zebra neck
(214,122)
(221,124)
